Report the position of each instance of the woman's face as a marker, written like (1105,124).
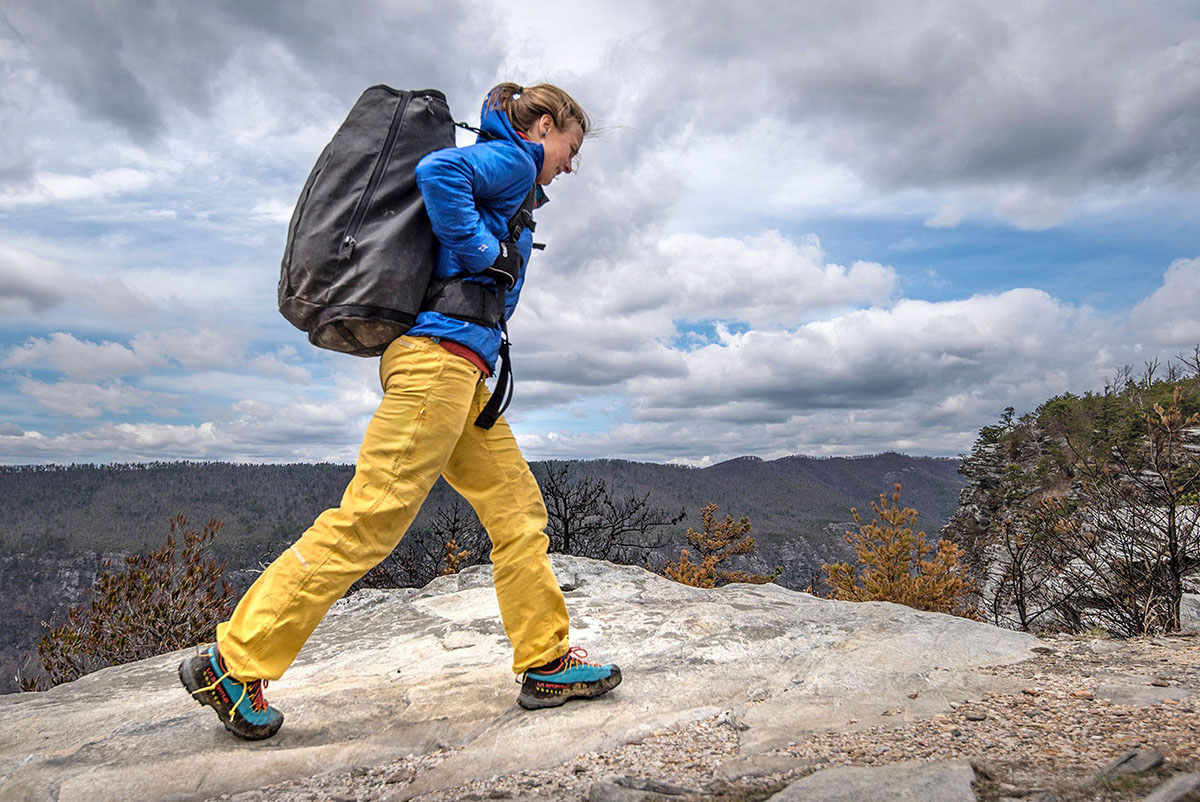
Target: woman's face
(561,146)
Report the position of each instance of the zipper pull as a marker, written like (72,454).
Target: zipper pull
(347,249)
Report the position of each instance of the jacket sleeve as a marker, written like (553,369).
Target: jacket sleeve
(454,182)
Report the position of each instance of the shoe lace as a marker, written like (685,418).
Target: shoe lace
(574,657)
(253,688)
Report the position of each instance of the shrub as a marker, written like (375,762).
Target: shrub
(716,542)
(894,565)
(161,601)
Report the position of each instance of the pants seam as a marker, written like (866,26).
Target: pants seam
(392,478)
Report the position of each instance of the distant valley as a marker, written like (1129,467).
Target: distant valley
(58,524)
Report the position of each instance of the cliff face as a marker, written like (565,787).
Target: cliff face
(392,673)
(35,587)
(1074,517)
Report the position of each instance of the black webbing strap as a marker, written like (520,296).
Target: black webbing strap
(466,300)
(504,386)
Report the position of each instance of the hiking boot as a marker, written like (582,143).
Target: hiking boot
(240,705)
(568,677)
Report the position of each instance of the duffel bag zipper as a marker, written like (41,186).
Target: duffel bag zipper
(349,241)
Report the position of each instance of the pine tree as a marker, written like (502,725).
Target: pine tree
(897,566)
(716,542)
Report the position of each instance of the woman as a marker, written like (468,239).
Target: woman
(424,428)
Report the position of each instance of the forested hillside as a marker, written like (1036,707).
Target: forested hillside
(57,524)
(1086,512)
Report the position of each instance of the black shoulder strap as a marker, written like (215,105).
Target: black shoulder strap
(500,399)
(523,219)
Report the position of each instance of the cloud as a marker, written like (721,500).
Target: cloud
(282,365)
(49,187)
(1168,318)
(201,349)
(1013,103)
(251,431)
(79,400)
(949,216)
(153,70)
(869,358)
(10,430)
(39,277)
(77,359)
(29,282)
(628,312)
(917,376)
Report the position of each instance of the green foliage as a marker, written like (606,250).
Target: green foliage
(896,565)
(161,601)
(1084,511)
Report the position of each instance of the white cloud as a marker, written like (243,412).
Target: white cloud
(79,400)
(202,349)
(948,216)
(254,432)
(281,364)
(29,282)
(1169,317)
(77,359)
(918,376)
(1031,208)
(50,187)
(624,311)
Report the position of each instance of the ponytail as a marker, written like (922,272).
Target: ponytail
(526,105)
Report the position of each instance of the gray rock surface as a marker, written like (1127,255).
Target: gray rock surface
(1189,612)
(1133,761)
(392,673)
(941,781)
(637,789)
(1175,789)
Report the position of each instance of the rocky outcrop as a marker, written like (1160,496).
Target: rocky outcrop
(393,673)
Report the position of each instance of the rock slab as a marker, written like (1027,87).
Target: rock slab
(394,673)
(914,781)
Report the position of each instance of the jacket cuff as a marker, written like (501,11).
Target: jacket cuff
(483,255)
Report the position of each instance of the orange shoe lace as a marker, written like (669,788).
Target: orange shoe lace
(574,657)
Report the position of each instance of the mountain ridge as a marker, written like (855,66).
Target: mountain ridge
(57,523)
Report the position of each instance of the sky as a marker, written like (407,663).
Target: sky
(823,228)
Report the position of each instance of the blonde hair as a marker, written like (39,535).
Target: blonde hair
(526,105)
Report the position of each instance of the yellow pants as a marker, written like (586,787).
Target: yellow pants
(424,428)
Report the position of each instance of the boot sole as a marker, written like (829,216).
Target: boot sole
(576,690)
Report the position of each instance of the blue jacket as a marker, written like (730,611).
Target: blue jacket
(471,193)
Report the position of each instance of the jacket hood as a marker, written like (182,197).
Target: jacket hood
(495,125)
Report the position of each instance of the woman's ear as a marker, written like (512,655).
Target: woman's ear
(545,124)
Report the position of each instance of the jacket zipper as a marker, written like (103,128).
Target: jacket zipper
(349,241)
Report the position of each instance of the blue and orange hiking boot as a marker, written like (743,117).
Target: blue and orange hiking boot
(568,677)
(240,705)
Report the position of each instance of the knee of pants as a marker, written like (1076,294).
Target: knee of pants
(520,547)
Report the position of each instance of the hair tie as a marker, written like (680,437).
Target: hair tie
(520,90)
